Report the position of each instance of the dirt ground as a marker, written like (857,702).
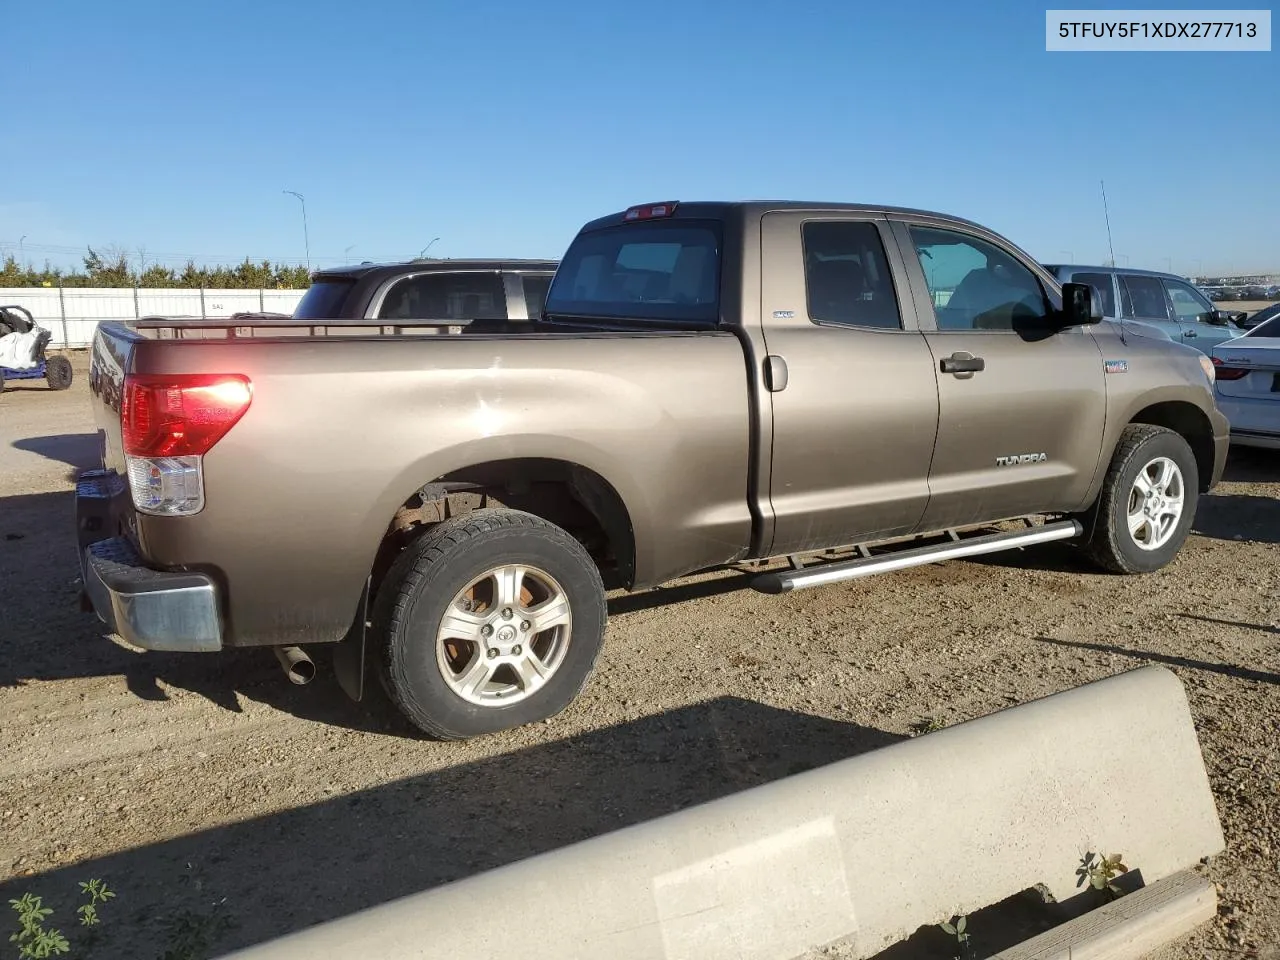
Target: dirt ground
(223,803)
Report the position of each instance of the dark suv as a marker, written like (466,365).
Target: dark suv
(461,291)
(1162,300)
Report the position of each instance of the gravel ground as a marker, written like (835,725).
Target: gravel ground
(210,790)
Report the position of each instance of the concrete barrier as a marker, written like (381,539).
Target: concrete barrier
(865,850)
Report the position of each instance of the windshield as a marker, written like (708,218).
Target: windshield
(666,270)
(323,299)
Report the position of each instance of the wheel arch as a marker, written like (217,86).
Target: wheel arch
(565,492)
(1192,424)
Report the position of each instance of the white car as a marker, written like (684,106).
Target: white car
(1247,385)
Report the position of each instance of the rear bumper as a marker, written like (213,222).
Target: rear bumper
(148,608)
(1255,421)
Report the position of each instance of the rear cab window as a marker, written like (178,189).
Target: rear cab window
(657,271)
(324,299)
(1267,328)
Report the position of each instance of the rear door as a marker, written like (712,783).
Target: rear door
(1144,298)
(1021,407)
(855,418)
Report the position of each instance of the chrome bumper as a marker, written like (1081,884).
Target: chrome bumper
(148,608)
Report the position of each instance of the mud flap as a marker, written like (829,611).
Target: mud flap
(349,653)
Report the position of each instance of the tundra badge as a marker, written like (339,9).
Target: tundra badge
(1021,458)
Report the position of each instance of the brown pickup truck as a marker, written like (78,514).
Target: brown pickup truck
(854,389)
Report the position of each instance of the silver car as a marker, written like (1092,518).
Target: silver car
(1162,300)
(1247,385)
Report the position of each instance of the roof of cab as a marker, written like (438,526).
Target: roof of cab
(724,209)
(358,270)
(1059,268)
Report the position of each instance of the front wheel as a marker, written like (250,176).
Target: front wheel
(58,373)
(489,621)
(1148,501)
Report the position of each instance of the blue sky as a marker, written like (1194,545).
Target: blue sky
(502,127)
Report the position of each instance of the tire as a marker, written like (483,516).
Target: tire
(58,373)
(461,683)
(1,381)
(1120,547)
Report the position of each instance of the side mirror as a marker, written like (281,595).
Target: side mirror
(1219,318)
(1080,306)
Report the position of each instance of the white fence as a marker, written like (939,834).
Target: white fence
(73,313)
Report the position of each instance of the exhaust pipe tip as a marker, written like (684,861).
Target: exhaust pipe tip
(297,666)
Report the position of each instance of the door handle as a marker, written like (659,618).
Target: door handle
(775,373)
(963,364)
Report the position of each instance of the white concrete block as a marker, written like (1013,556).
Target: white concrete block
(869,848)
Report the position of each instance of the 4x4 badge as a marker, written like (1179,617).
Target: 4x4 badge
(1117,366)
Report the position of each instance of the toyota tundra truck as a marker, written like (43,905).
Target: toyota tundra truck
(817,392)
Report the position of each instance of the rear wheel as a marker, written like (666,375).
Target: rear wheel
(489,621)
(58,373)
(1148,501)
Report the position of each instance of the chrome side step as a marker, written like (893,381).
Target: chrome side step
(821,574)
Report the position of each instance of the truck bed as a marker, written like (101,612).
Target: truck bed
(349,420)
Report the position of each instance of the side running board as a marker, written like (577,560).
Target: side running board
(818,575)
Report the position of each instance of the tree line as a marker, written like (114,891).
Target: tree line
(116,269)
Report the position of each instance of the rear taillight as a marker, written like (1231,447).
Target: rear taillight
(1223,372)
(168,424)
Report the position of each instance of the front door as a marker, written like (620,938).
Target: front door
(853,422)
(1021,407)
(1192,310)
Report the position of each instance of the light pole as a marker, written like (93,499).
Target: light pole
(1071,255)
(347,252)
(1168,263)
(305,239)
(426,248)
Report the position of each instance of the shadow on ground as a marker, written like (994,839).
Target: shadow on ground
(1249,465)
(299,867)
(79,450)
(44,635)
(1226,669)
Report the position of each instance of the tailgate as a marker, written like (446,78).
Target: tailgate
(109,359)
(1249,372)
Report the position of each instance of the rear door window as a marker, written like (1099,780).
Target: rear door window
(847,275)
(1101,283)
(667,270)
(446,296)
(1143,297)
